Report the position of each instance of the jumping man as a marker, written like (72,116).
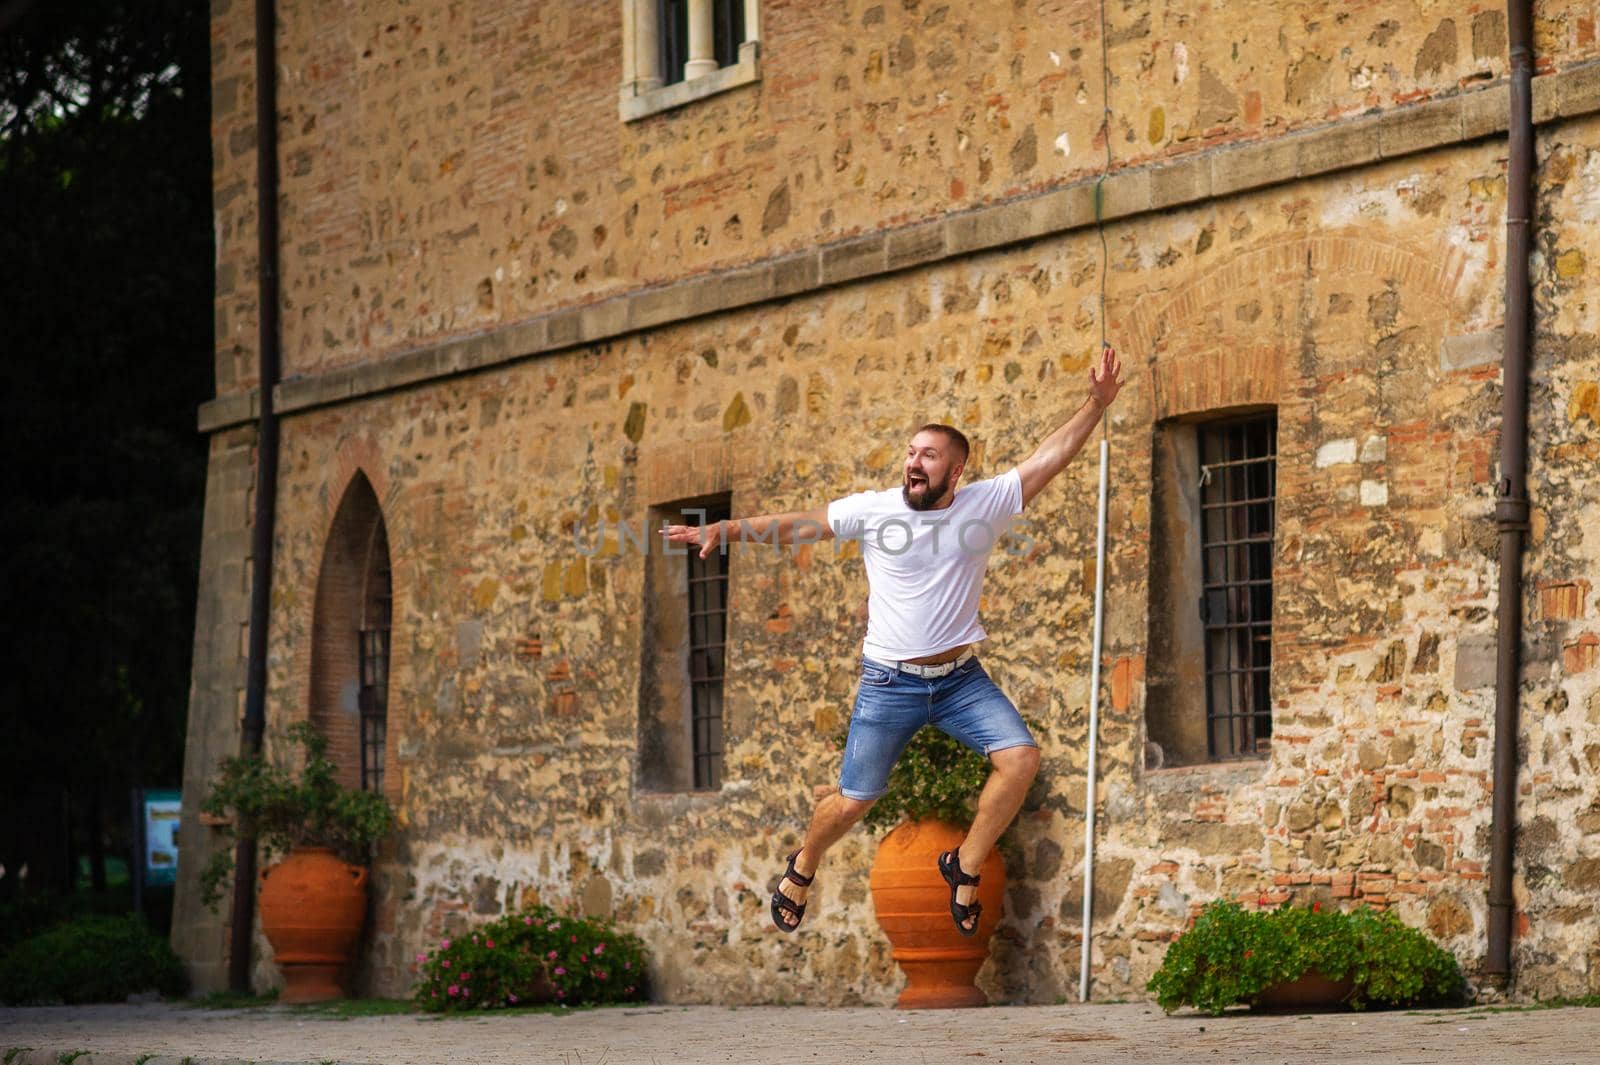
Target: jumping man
(925,548)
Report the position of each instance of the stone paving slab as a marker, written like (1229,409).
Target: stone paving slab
(167,1034)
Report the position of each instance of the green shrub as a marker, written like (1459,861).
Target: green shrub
(25,916)
(936,778)
(532,958)
(1230,955)
(91,959)
(282,812)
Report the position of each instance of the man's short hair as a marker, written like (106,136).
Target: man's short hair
(952,434)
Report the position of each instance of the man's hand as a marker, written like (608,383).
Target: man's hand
(1104,377)
(797,527)
(707,536)
(1061,446)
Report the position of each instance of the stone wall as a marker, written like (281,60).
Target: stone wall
(216,696)
(1363,305)
(456,167)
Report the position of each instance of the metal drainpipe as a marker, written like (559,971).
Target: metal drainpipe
(242,931)
(1511,513)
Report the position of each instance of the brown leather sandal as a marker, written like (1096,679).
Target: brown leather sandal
(950,869)
(782,904)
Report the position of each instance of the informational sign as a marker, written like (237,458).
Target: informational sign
(160,858)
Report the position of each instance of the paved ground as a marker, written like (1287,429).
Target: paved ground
(161,1034)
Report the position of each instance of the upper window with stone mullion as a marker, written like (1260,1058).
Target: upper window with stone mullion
(727,21)
(675,52)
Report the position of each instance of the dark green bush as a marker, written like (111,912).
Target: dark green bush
(283,812)
(90,959)
(935,778)
(25,916)
(532,958)
(1230,955)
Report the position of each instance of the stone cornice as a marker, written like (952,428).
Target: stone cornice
(1128,193)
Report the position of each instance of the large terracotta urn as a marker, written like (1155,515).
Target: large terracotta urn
(312,908)
(913,904)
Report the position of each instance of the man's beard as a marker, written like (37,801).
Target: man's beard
(931,493)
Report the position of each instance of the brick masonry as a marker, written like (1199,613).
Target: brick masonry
(1133,191)
(455,169)
(1352,297)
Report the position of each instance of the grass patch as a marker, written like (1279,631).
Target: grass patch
(1562,1003)
(552,1009)
(1483,1013)
(228,1000)
(339,1008)
(346,1008)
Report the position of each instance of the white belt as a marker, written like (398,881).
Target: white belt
(943,669)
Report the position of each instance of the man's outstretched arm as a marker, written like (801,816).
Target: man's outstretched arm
(1061,446)
(795,527)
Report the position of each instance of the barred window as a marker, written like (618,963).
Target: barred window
(685,637)
(708,628)
(1208,685)
(373,697)
(1238,477)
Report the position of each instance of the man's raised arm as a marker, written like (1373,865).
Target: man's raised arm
(796,527)
(1061,446)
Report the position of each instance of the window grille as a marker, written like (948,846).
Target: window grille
(708,629)
(373,696)
(1238,477)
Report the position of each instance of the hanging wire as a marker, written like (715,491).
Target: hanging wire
(1099,185)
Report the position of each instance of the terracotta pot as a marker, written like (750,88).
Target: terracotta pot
(913,904)
(1310,990)
(312,908)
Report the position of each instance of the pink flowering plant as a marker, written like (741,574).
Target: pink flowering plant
(536,957)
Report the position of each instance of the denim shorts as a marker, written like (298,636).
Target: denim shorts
(891,705)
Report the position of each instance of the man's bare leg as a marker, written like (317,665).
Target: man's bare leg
(1001,798)
(833,817)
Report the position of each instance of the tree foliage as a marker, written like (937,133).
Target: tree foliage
(106,266)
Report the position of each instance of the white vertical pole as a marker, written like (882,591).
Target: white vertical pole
(1094,726)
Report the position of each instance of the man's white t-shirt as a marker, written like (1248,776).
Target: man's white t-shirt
(925,567)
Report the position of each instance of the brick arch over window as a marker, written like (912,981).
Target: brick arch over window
(350,638)
(1222,339)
